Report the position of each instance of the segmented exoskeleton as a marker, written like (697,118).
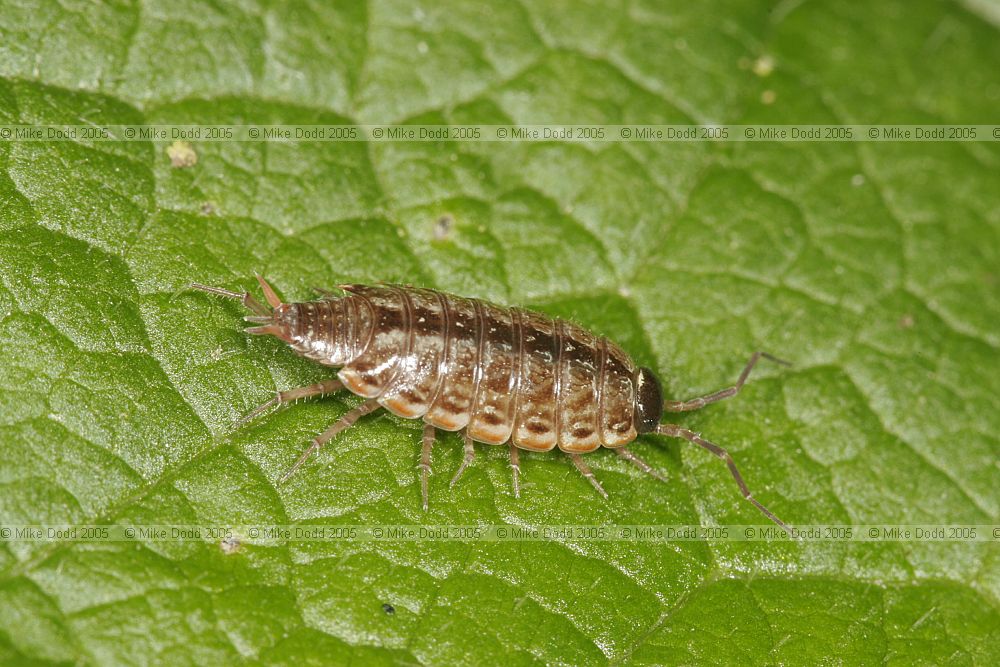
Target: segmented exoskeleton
(499,375)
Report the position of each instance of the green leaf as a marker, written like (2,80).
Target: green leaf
(872,266)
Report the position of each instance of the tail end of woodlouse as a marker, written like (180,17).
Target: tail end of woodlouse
(264,316)
(272,298)
(244,297)
(267,330)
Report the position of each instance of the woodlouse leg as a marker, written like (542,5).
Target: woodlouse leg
(341,424)
(470,454)
(244,297)
(588,473)
(639,463)
(515,468)
(318,389)
(425,460)
(702,401)
(675,431)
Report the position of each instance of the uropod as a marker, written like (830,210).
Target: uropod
(499,375)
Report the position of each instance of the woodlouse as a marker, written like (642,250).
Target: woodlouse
(500,375)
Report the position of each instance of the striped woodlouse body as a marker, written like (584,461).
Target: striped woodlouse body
(499,375)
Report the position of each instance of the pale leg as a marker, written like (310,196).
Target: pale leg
(318,389)
(425,460)
(588,473)
(639,463)
(470,453)
(515,468)
(341,424)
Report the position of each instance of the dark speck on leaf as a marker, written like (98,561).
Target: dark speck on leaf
(388,608)
(442,228)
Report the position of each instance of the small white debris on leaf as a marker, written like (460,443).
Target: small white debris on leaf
(230,545)
(763,66)
(182,155)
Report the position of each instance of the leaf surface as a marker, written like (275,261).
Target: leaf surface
(872,266)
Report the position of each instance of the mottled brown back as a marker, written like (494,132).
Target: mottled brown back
(503,373)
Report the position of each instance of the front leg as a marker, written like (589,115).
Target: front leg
(318,389)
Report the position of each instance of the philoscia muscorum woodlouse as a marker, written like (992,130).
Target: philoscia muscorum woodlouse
(499,375)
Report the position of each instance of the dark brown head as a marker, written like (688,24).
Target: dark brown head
(648,401)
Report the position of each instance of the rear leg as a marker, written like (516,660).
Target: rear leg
(515,469)
(702,401)
(587,473)
(341,424)
(425,460)
(318,389)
